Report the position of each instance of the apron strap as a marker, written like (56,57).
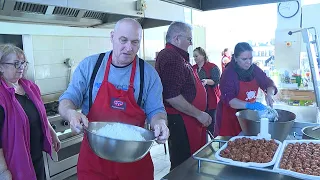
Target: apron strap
(95,71)
(141,66)
(93,77)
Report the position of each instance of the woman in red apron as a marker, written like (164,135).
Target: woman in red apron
(92,167)
(209,74)
(226,58)
(239,86)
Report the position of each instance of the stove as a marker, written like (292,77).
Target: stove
(63,163)
(57,122)
(52,108)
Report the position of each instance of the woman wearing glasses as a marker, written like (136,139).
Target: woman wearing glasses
(209,74)
(24,128)
(239,86)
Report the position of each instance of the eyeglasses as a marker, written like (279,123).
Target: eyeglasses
(18,64)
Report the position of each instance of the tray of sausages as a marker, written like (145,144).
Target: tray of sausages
(300,159)
(253,151)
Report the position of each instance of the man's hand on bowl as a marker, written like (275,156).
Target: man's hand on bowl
(161,131)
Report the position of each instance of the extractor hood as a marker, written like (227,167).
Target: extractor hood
(207,5)
(90,13)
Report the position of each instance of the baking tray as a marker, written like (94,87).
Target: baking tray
(277,169)
(247,164)
(207,154)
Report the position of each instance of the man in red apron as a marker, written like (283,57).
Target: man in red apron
(116,76)
(184,95)
(239,86)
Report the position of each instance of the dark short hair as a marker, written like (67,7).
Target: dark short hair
(240,48)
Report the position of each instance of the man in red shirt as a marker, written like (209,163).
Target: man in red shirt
(184,95)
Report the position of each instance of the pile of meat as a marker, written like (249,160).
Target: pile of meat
(250,150)
(302,158)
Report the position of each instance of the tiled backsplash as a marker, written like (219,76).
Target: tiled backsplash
(50,52)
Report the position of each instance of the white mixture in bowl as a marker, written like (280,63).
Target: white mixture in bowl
(120,131)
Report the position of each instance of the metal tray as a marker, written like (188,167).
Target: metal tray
(207,154)
(292,173)
(247,164)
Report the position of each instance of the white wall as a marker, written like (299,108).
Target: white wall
(288,57)
(47,47)
(51,30)
(50,52)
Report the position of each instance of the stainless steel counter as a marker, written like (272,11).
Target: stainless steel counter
(306,116)
(189,171)
(209,171)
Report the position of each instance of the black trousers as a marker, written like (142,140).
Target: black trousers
(212,113)
(38,165)
(179,148)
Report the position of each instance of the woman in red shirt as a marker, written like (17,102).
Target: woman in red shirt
(226,58)
(209,74)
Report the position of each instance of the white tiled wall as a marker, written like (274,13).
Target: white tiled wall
(50,52)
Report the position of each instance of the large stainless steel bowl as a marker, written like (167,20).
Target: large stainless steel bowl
(119,150)
(308,133)
(250,123)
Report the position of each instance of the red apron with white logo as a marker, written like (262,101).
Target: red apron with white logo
(229,122)
(112,104)
(195,130)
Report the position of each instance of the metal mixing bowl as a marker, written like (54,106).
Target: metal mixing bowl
(119,150)
(308,133)
(250,123)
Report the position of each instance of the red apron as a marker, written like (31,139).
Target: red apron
(106,108)
(195,130)
(223,65)
(229,122)
(213,94)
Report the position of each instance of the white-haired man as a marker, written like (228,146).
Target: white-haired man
(116,86)
(184,95)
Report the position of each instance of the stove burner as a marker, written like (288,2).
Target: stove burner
(52,108)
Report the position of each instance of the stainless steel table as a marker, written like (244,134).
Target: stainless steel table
(209,170)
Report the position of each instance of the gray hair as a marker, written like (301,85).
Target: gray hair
(128,20)
(176,28)
(8,49)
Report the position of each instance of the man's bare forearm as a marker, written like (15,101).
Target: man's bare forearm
(182,105)
(64,106)
(159,117)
